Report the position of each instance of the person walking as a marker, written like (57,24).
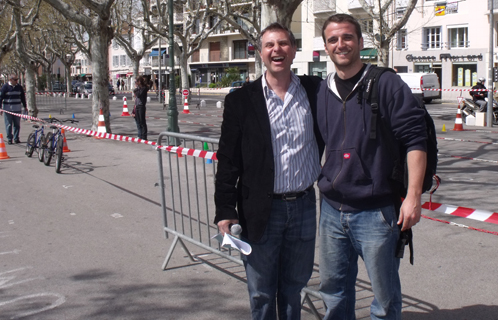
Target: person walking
(140,95)
(361,214)
(118,84)
(12,99)
(268,161)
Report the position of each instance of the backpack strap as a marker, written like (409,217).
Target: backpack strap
(372,95)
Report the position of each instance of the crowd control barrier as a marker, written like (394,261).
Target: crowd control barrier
(187,203)
(186,180)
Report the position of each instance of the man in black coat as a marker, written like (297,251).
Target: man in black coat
(268,160)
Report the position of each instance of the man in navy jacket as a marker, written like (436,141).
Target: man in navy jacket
(358,213)
(12,96)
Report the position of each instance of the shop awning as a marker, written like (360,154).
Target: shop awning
(82,75)
(155,52)
(129,74)
(369,53)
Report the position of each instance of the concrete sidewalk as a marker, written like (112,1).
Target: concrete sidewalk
(88,243)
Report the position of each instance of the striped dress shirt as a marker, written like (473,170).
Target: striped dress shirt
(295,150)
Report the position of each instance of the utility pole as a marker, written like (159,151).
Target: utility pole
(172,108)
(159,84)
(489,113)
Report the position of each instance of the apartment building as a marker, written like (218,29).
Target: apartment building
(450,38)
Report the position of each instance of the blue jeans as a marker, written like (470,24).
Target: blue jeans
(12,121)
(281,263)
(372,235)
(141,122)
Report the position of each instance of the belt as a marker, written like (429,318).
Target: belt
(291,195)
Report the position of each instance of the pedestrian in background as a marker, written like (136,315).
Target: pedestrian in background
(118,84)
(13,99)
(268,161)
(140,95)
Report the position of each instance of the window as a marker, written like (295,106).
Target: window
(240,49)
(400,12)
(432,38)
(214,51)
(463,73)
(196,57)
(401,42)
(458,37)
(299,44)
(115,44)
(122,60)
(115,61)
(367,26)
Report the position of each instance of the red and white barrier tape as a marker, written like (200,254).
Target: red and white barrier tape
(475,214)
(429,89)
(206,154)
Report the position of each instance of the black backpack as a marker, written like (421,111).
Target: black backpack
(399,175)
(400,172)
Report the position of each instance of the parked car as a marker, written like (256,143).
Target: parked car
(58,87)
(237,84)
(418,81)
(86,89)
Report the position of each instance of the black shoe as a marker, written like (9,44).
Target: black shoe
(17,141)
(9,142)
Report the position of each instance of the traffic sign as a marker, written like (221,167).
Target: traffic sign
(185,92)
(460,99)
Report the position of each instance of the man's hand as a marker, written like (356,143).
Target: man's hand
(224,225)
(410,212)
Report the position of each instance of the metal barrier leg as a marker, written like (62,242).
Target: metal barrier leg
(172,248)
(306,298)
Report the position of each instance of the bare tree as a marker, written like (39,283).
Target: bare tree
(386,30)
(95,17)
(6,31)
(201,18)
(251,17)
(23,19)
(130,32)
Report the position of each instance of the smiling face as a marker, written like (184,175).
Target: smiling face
(343,46)
(277,52)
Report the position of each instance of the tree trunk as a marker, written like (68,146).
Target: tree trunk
(30,92)
(258,65)
(100,77)
(184,73)
(383,55)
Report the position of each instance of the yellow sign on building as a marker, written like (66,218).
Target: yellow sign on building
(440,10)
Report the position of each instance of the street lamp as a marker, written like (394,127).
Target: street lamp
(172,108)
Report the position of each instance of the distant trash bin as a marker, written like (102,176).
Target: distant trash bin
(218,104)
(203,103)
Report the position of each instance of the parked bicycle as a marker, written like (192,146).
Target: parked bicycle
(35,141)
(54,144)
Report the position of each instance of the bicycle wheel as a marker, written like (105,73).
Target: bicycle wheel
(48,150)
(58,154)
(39,146)
(30,145)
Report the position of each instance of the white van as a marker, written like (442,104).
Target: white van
(419,81)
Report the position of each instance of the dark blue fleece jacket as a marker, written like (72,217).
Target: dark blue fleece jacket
(357,169)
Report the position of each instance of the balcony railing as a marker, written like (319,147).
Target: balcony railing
(323,6)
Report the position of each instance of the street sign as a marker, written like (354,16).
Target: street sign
(185,92)
(460,99)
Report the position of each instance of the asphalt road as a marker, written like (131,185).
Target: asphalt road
(88,243)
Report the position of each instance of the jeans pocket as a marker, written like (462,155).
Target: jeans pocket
(388,216)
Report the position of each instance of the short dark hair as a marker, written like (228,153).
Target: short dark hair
(340,18)
(277,26)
